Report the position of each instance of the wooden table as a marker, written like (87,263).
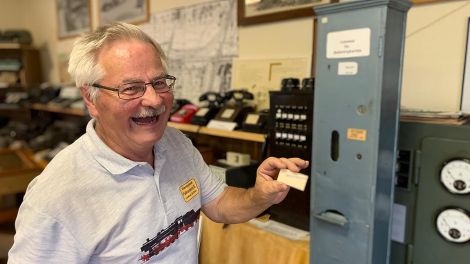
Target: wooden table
(247,244)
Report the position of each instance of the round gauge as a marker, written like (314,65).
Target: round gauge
(453,224)
(455,176)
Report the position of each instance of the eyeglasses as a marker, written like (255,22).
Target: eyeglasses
(133,90)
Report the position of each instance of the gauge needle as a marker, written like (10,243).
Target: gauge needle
(450,174)
(445,221)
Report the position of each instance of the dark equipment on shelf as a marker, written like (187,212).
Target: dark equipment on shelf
(17,98)
(206,113)
(16,36)
(67,96)
(290,134)
(67,130)
(44,94)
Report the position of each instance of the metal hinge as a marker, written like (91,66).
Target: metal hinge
(409,254)
(416,167)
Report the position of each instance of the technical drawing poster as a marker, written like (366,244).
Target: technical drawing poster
(200,42)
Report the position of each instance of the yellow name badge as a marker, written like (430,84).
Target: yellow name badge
(189,190)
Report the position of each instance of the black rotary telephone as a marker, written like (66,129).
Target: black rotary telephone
(214,102)
(236,106)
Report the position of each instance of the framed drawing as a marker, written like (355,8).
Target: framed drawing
(130,11)
(73,17)
(465,103)
(261,11)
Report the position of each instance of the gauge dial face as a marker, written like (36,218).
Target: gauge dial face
(455,176)
(453,224)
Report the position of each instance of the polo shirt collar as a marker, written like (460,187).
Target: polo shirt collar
(108,158)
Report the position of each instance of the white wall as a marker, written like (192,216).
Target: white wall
(434,56)
(434,48)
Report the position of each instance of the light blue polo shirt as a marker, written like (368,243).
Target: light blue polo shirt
(91,205)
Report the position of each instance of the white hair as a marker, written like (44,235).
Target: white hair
(83,66)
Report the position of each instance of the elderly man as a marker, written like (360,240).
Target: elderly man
(130,189)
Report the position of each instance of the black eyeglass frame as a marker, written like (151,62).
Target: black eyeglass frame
(166,77)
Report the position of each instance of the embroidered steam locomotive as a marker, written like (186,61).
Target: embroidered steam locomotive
(167,236)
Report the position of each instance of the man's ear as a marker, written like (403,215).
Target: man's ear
(88,102)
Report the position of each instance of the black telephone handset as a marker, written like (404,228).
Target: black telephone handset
(239,96)
(206,113)
(235,108)
(214,99)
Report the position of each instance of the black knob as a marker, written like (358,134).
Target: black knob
(460,185)
(308,84)
(455,233)
(290,84)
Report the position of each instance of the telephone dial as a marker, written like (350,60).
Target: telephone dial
(236,107)
(206,113)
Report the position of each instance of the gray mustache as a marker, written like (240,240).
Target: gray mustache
(147,112)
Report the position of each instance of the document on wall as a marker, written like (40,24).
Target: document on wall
(259,76)
(200,42)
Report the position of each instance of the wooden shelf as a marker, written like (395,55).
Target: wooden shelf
(57,109)
(242,135)
(185,127)
(15,46)
(11,46)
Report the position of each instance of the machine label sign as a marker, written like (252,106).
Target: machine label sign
(348,43)
(357,134)
(347,68)
(189,190)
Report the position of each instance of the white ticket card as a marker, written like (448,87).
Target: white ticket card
(293,179)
